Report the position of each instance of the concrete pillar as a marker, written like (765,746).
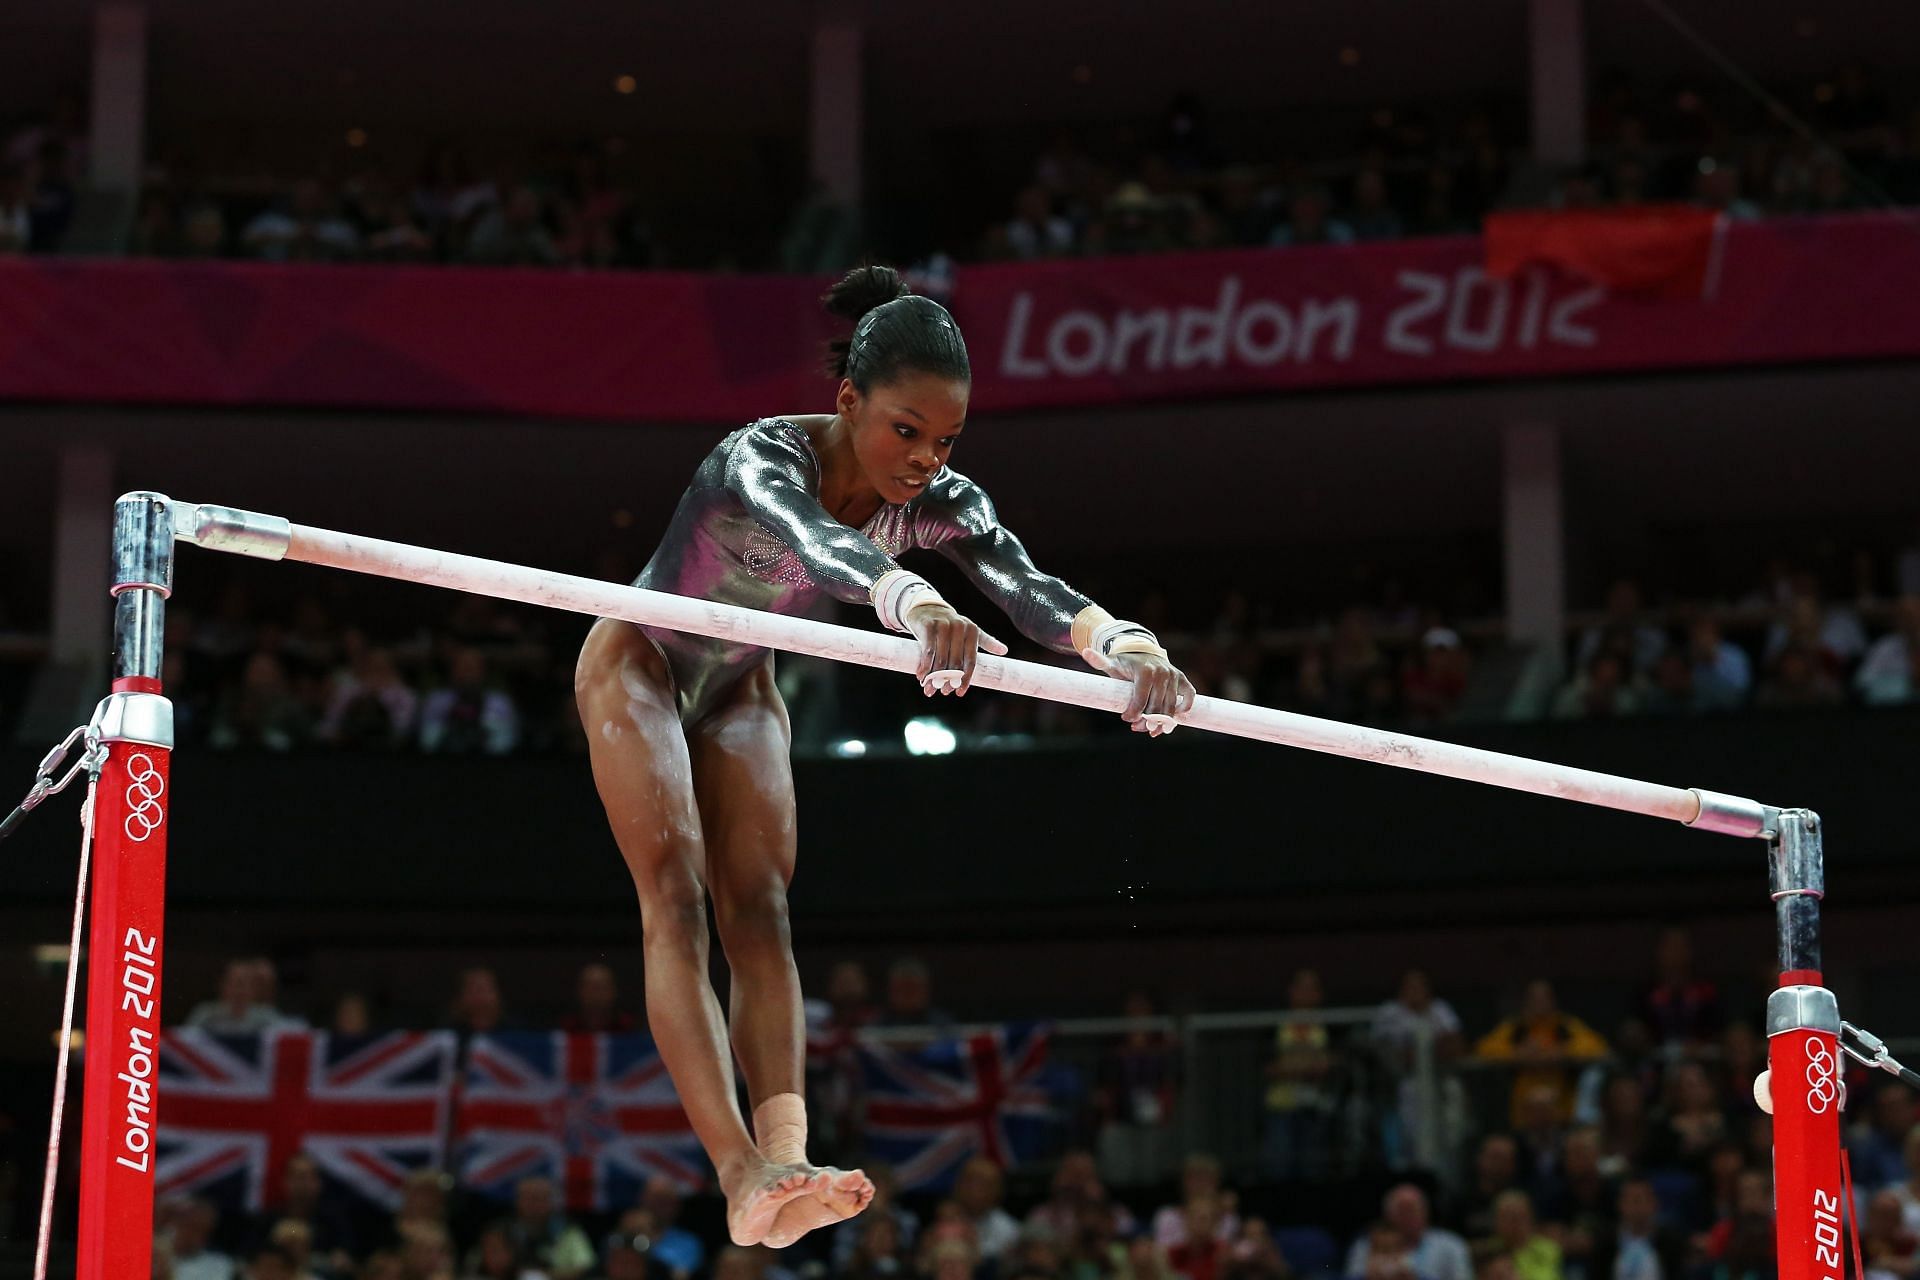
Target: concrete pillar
(836,120)
(1534,534)
(118,144)
(1557,52)
(82,634)
(80,644)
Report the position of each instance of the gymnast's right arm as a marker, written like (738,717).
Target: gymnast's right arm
(773,477)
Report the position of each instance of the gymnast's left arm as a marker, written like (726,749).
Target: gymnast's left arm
(1049,612)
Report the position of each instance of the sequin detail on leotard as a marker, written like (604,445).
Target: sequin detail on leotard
(771,560)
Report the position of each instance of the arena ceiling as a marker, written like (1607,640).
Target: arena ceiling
(480,65)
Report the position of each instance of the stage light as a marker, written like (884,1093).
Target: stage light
(926,736)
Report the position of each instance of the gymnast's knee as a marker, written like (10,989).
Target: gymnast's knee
(673,908)
(752,919)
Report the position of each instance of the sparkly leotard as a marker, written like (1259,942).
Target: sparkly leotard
(751,531)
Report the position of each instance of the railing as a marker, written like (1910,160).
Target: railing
(1220,1106)
(1220,1103)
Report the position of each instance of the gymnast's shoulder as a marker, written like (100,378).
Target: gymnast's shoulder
(954,507)
(781,444)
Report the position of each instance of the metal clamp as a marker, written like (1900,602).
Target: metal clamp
(1733,815)
(1871,1051)
(146,718)
(44,782)
(246,533)
(1803,1008)
(1798,869)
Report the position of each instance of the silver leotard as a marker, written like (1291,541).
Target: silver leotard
(751,531)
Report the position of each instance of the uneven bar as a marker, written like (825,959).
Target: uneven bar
(230,529)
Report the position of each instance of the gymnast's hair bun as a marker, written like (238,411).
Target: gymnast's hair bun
(895,332)
(862,289)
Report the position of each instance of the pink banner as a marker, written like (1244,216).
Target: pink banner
(682,347)
(658,347)
(1090,332)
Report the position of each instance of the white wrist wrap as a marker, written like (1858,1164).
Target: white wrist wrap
(1120,636)
(1096,629)
(899,593)
(1083,624)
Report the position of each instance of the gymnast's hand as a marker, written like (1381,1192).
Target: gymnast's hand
(1160,691)
(949,644)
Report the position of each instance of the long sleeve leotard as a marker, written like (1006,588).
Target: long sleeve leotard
(751,531)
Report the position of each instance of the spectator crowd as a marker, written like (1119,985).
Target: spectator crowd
(1413,172)
(1562,1155)
(1179,183)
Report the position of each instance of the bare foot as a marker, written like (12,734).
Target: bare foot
(756,1194)
(837,1194)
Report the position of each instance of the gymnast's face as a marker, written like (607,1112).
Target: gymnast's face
(904,430)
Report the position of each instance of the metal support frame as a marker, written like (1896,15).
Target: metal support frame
(1802,1086)
(135,723)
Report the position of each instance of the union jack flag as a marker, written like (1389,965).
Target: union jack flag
(596,1113)
(931,1107)
(370,1110)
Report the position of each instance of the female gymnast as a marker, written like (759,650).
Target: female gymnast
(689,736)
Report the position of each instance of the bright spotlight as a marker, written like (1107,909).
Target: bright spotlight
(926,736)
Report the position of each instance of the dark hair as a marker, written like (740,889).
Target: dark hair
(894,331)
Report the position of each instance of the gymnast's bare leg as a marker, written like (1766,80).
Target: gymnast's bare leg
(646,768)
(645,778)
(743,781)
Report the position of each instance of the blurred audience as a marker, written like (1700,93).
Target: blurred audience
(1298,1099)
(187,1239)
(1680,1008)
(1429,1252)
(543,1236)
(1658,1172)
(597,1003)
(249,989)
(1136,1091)
(977,1194)
(1373,173)
(1545,1044)
(909,1000)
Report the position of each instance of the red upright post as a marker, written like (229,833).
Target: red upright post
(1804,1070)
(120,1104)
(1803,1081)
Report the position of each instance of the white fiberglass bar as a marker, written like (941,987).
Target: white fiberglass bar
(247,533)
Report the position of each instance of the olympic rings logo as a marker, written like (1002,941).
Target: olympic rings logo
(145,786)
(1823,1086)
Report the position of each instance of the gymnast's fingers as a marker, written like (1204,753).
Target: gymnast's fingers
(1171,700)
(968,655)
(940,668)
(1187,693)
(929,637)
(1154,706)
(1137,696)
